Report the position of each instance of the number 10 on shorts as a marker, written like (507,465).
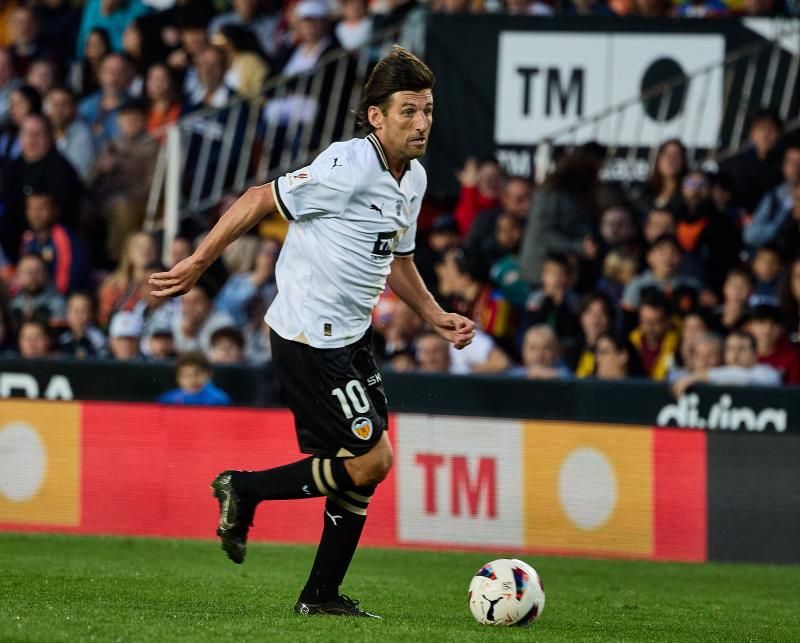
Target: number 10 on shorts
(356,395)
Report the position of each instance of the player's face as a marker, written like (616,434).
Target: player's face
(406,125)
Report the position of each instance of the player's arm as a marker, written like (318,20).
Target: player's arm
(248,210)
(406,282)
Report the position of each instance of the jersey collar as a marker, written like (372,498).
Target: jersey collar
(382,158)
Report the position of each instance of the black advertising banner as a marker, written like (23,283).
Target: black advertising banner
(754,498)
(504,83)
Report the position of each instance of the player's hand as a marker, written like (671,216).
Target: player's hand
(178,281)
(457,330)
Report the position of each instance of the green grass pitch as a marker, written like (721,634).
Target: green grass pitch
(61,588)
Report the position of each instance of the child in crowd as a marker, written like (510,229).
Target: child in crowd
(82,338)
(767,270)
(193,374)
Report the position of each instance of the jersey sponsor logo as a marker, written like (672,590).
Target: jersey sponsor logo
(296,179)
(327,329)
(384,244)
(362,428)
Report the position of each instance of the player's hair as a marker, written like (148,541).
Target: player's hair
(399,71)
(193,358)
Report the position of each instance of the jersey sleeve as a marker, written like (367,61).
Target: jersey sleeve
(320,189)
(406,243)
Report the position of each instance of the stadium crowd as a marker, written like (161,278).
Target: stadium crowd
(692,276)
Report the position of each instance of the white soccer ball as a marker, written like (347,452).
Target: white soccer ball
(506,592)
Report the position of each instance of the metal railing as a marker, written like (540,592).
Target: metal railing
(214,152)
(749,82)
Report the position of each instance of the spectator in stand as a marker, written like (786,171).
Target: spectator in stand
(476,299)
(8,83)
(42,76)
(710,241)
(100,108)
(159,344)
(481,185)
(246,296)
(211,90)
(790,300)
(596,318)
(615,359)
(24,100)
(757,170)
(699,350)
(247,70)
(85,72)
(528,8)
(442,237)
(82,338)
(736,291)
(617,229)
(541,356)
(497,232)
(788,237)
(562,213)
(196,321)
(183,60)
(227,346)
(722,196)
(482,356)
(40,168)
(26,46)
(36,297)
(741,367)
(664,260)
(59,22)
(73,137)
(432,353)
(619,269)
(354,29)
(555,304)
(663,189)
(776,205)
(396,332)
(122,175)
(124,336)
(133,47)
(164,100)
(111,15)
(655,340)
(34,340)
(193,374)
(765,323)
(767,273)
(122,289)
(702,9)
(58,245)
(249,15)
(657,223)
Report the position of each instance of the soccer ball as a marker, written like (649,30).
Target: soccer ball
(506,592)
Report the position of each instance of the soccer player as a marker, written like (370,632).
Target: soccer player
(353,215)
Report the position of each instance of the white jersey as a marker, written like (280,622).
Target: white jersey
(349,216)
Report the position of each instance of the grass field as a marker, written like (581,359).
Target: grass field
(60,588)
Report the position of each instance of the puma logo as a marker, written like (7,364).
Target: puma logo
(336,162)
(335,518)
(372,206)
(306,490)
(490,613)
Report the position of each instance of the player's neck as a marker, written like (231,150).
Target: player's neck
(397,165)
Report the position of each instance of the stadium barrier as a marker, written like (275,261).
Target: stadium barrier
(574,485)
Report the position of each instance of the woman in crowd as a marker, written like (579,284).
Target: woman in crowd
(164,103)
(122,289)
(596,318)
(85,73)
(663,189)
(24,100)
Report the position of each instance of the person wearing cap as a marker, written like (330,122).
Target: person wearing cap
(765,323)
(124,334)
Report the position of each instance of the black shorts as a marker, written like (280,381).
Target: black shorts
(336,395)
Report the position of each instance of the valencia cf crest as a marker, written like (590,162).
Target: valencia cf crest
(362,428)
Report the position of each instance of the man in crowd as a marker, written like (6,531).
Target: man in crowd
(37,298)
(99,109)
(72,136)
(654,339)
